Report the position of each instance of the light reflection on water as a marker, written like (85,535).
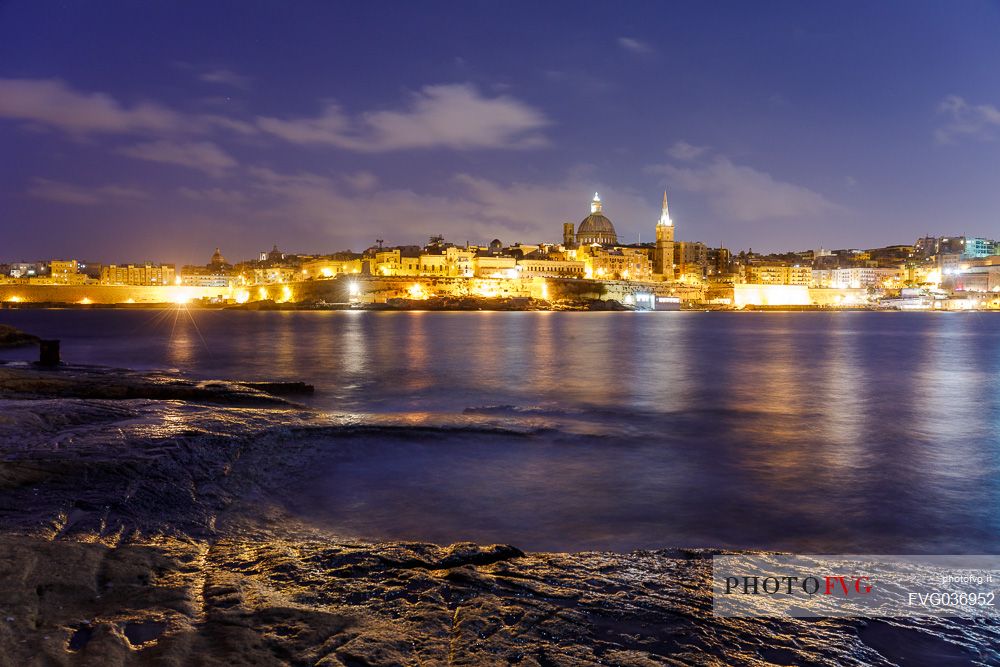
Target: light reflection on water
(836,432)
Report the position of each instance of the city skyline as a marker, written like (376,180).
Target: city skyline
(777,129)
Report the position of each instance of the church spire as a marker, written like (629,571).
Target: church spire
(665,214)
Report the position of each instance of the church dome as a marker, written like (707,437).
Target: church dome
(596,227)
(217,258)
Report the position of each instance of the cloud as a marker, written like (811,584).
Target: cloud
(362,180)
(52,103)
(445,116)
(214,196)
(231,124)
(682,150)
(980,121)
(453,116)
(744,194)
(476,209)
(204,156)
(633,45)
(68,193)
(226,77)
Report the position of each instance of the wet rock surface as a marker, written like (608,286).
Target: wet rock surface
(68,381)
(11,337)
(151,531)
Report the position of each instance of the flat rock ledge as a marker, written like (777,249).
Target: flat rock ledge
(11,337)
(25,380)
(262,600)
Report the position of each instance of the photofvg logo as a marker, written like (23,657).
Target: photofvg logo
(825,585)
(894,586)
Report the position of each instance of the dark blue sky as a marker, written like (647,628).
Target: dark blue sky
(159,130)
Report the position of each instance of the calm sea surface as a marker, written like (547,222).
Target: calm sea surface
(823,432)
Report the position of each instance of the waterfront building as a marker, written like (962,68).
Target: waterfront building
(690,261)
(138,274)
(547,267)
(495,267)
(432,265)
(270,275)
(776,274)
(949,263)
(328,267)
(385,262)
(27,269)
(64,272)
(857,277)
(200,277)
(460,261)
(621,263)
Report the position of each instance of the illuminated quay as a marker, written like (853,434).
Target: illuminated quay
(588,265)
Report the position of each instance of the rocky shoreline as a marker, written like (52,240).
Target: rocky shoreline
(141,522)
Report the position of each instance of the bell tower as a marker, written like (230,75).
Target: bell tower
(663,255)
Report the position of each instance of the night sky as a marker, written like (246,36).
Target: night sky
(134,131)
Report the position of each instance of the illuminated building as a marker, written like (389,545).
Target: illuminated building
(977,247)
(949,262)
(690,261)
(270,275)
(776,274)
(138,274)
(596,228)
(452,262)
(432,265)
(550,268)
(663,256)
(385,263)
(719,260)
(25,270)
(615,263)
(855,277)
(329,268)
(460,262)
(496,267)
(65,272)
(217,273)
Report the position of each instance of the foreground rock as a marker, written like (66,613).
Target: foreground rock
(265,600)
(11,337)
(67,381)
(143,531)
